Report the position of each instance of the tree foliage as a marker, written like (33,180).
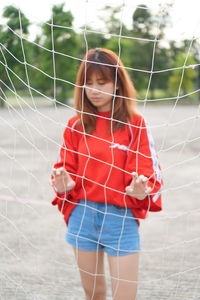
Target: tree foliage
(11,51)
(183,78)
(48,65)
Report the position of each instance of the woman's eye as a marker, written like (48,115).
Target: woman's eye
(101,82)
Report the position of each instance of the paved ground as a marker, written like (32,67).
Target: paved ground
(35,261)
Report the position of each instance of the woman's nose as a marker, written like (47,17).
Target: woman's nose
(94,89)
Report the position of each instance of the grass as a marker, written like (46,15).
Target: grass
(24,99)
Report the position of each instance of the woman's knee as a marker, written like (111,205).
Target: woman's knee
(96,296)
(91,266)
(95,290)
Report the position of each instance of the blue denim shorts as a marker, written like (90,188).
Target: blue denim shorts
(97,226)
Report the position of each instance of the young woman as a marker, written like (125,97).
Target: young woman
(108,176)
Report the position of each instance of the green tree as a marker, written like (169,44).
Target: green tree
(142,22)
(3,77)
(90,39)
(11,54)
(115,34)
(142,49)
(56,55)
(111,20)
(182,47)
(183,78)
(148,54)
(125,48)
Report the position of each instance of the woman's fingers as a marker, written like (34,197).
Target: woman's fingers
(66,175)
(70,185)
(61,179)
(70,181)
(129,189)
(141,178)
(58,171)
(138,185)
(135,176)
(137,179)
(144,178)
(148,190)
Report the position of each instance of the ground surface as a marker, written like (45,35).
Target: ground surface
(35,261)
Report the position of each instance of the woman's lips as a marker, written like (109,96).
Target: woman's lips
(95,99)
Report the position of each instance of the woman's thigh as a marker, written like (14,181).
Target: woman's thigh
(91,267)
(124,276)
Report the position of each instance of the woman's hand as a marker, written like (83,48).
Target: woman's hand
(62,181)
(138,187)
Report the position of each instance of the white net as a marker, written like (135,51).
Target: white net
(36,262)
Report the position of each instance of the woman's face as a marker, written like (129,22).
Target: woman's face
(96,89)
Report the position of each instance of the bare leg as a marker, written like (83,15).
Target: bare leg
(91,266)
(124,276)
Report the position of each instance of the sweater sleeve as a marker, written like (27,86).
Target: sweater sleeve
(69,160)
(142,158)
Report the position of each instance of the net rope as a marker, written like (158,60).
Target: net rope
(30,139)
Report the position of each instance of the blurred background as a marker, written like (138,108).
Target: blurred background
(157,43)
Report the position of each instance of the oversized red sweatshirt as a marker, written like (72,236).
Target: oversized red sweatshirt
(101,165)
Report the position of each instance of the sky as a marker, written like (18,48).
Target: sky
(184,14)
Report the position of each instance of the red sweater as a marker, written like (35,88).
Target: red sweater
(102,167)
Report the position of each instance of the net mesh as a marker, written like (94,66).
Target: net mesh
(36,262)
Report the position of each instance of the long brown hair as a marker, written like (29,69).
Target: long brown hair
(106,63)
